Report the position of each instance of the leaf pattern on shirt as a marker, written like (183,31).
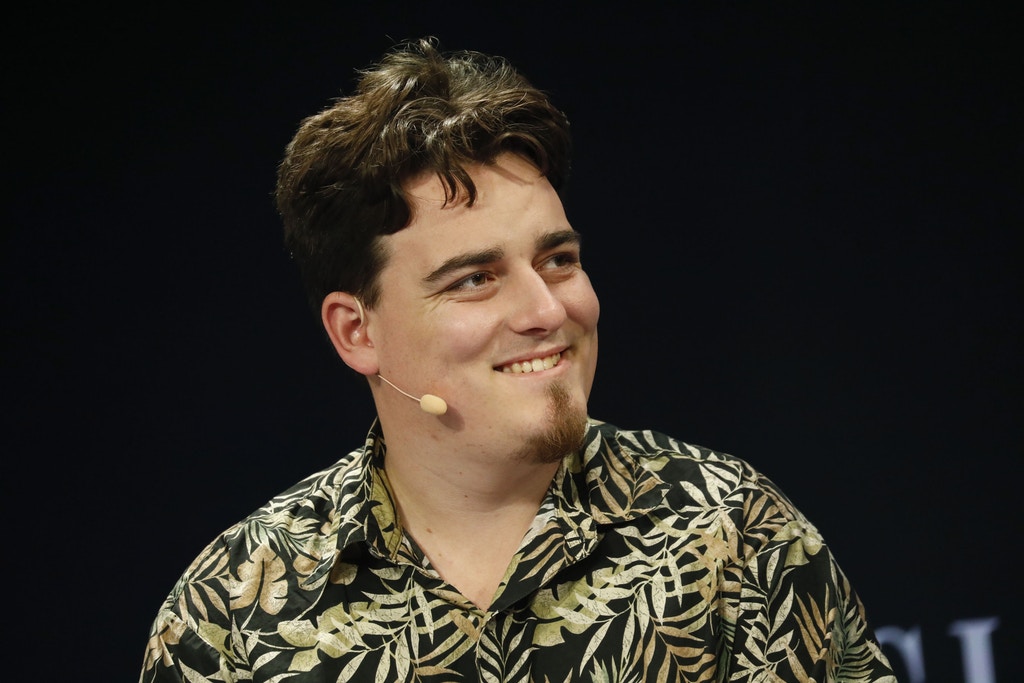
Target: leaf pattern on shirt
(649,560)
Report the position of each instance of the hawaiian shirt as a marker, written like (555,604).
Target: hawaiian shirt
(649,560)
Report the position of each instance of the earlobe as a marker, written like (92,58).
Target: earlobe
(347,325)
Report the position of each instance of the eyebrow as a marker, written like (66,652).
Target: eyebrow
(558,238)
(473,258)
(545,242)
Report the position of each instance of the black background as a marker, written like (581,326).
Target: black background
(802,220)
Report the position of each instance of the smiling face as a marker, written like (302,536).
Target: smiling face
(488,307)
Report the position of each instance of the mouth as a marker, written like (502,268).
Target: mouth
(531,365)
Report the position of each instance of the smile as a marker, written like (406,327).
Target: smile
(535,365)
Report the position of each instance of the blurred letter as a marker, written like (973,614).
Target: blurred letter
(976,648)
(908,644)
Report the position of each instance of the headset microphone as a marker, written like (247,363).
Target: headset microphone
(429,403)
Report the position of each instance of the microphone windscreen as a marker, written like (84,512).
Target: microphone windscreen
(434,405)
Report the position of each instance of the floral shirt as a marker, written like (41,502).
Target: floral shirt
(649,560)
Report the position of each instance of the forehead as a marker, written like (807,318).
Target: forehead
(515,208)
(501,180)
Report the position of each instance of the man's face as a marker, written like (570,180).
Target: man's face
(488,307)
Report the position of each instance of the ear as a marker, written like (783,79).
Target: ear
(345,320)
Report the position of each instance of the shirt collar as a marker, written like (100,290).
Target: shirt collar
(607,480)
(603,481)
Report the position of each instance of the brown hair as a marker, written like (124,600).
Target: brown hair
(339,186)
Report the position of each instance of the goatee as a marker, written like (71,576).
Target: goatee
(565,430)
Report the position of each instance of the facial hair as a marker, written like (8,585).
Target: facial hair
(564,432)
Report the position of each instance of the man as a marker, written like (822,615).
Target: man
(488,529)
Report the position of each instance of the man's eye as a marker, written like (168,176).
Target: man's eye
(474,281)
(565,259)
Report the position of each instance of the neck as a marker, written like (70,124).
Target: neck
(441,487)
(468,516)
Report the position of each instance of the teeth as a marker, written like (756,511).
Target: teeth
(535,365)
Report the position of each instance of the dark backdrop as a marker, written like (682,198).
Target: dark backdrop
(803,222)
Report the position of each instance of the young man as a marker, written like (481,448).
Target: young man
(488,529)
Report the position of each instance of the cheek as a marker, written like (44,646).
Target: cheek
(583,306)
(468,335)
(584,309)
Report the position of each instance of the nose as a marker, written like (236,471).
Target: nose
(536,308)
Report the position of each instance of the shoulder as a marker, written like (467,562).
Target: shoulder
(272,560)
(780,584)
(678,461)
(700,480)
(303,521)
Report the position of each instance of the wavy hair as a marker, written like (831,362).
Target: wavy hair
(418,110)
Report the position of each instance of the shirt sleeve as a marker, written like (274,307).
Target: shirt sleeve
(190,638)
(175,653)
(799,619)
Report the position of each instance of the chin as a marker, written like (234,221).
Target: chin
(562,430)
